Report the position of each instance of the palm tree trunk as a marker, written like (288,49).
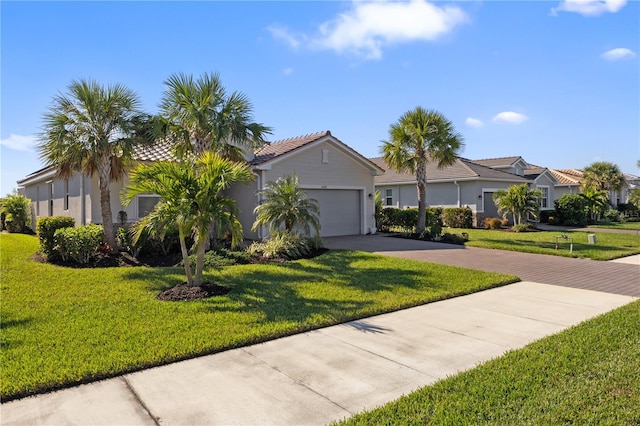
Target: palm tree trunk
(199,262)
(185,255)
(105,203)
(421,178)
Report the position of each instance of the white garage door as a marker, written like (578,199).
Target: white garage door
(340,211)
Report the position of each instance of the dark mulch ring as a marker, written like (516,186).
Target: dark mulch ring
(183,291)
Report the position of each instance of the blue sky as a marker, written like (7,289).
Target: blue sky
(557,83)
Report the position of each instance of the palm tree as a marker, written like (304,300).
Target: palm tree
(284,203)
(519,201)
(634,197)
(596,201)
(191,198)
(421,136)
(603,175)
(92,129)
(200,116)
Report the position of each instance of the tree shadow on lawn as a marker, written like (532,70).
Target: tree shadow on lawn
(5,341)
(327,285)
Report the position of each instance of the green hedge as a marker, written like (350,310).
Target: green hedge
(78,244)
(458,217)
(571,210)
(46,228)
(406,220)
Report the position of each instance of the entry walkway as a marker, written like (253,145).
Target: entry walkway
(331,373)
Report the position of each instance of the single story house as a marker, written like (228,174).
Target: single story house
(463,184)
(472,183)
(340,179)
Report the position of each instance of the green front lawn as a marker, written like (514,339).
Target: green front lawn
(63,326)
(608,245)
(585,375)
(633,226)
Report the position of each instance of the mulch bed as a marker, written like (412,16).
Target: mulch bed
(183,291)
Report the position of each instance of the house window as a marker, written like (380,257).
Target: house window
(544,201)
(66,194)
(146,203)
(37,200)
(50,201)
(388,197)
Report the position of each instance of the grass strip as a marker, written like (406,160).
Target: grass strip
(65,326)
(608,245)
(633,226)
(587,374)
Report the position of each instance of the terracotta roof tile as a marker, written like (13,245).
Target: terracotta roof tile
(159,151)
(567,176)
(278,148)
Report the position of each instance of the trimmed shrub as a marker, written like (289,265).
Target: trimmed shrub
(17,213)
(46,228)
(407,219)
(78,244)
(458,217)
(455,238)
(282,245)
(611,215)
(492,223)
(523,227)
(571,210)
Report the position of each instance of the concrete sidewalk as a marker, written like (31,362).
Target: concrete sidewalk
(327,374)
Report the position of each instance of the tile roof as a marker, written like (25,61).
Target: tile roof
(497,162)
(567,176)
(278,148)
(161,150)
(462,168)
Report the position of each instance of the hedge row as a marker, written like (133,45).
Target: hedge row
(436,218)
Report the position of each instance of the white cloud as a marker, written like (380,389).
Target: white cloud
(473,122)
(510,117)
(589,7)
(617,54)
(367,27)
(287,71)
(283,33)
(19,142)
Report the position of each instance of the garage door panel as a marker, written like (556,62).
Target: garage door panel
(340,211)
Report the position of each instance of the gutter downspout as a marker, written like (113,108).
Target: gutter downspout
(455,182)
(83,208)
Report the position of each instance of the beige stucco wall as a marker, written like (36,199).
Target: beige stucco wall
(341,171)
(246,199)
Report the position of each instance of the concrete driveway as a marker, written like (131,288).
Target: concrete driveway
(331,373)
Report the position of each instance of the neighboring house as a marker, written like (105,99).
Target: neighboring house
(464,183)
(575,176)
(340,179)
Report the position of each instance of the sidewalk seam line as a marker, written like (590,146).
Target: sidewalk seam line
(273,367)
(156,420)
(380,356)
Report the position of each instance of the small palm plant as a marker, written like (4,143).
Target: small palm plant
(519,201)
(191,197)
(285,204)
